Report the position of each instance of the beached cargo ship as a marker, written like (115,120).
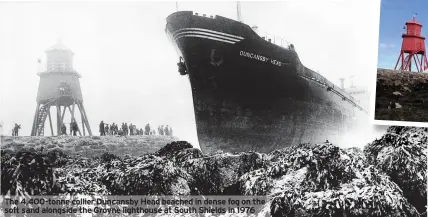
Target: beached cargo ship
(252,93)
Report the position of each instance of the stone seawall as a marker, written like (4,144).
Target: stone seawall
(401,96)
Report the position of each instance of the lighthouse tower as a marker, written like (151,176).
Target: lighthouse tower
(59,87)
(413,48)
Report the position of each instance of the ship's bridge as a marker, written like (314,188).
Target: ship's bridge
(273,39)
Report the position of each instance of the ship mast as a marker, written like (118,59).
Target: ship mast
(238,11)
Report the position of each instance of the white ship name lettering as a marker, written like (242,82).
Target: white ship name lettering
(259,58)
(276,62)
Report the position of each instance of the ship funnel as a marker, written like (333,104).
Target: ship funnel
(342,83)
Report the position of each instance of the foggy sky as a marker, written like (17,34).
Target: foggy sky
(128,66)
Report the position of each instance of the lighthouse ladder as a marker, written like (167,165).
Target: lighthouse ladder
(42,118)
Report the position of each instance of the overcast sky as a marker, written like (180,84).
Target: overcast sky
(128,66)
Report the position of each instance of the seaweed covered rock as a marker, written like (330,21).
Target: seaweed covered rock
(108,157)
(81,177)
(187,154)
(402,154)
(368,194)
(30,172)
(171,149)
(387,179)
(324,180)
(219,174)
(146,175)
(401,96)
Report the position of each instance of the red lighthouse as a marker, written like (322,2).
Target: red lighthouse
(412,49)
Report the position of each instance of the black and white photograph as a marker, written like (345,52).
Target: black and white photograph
(253,108)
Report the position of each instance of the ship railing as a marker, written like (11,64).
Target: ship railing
(275,40)
(334,89)
(350,99)
(204,15)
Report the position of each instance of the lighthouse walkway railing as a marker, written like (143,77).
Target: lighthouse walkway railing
(71,72)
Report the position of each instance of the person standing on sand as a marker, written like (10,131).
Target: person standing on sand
(102,133)
(16,130)
(75,127)
(161,132)
(166,130)
(63,130)
(126,129)
(147,129)
(106,130)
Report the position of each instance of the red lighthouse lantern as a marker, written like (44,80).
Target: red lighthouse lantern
(412,49)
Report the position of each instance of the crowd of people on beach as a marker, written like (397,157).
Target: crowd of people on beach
(113,129)
(74,128)
(131,130)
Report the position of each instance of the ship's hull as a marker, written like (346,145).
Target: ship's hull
(252,95)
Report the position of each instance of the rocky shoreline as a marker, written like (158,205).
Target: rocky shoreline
(387,178)
(401,96)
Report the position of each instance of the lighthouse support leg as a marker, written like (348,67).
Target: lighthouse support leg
(400,59)
(83,122)
(410,62)
(423,63)
(406,63)
(426,63)
(63,114)
(72,114)
(58,120)
(35,121)
(82,109)
(50,122)
(417,62)
(73,118)
(69,109)
(402,62)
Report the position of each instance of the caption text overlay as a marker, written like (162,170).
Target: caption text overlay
(130,205)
